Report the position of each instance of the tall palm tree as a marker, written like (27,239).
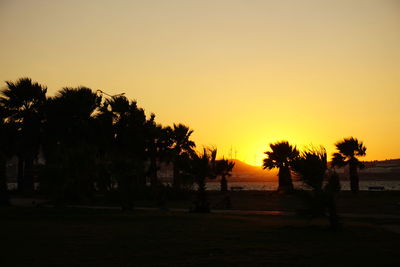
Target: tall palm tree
(158,144)
(348,151)
(127,145)
(182,147)
(7,150)
(24,100)
(69,145)
(223,168)
(281,157)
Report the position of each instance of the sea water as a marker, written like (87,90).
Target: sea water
(271,185)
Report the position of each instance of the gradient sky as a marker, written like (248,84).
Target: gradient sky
(242,74)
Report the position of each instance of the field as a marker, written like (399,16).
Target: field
(384,202)
(85,237)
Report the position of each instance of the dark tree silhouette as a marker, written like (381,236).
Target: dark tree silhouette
(158,144)
(348,151)
(182,149)
(281,157)
(7,146)
(90,144)
(128,146)
(24,100)
(70,143)
(311,166)
(203,167)
(223,168)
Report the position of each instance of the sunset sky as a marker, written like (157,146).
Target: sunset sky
(242,74)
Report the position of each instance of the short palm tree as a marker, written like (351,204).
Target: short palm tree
(281,157)
(202,166)
(311,167)
(223,168)
(348,151)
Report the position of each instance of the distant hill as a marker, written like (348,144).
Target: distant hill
(374,170)
(389,163)
(246,172)
(241,167)
(380,170)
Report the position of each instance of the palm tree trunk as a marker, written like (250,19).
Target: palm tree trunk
(176,179)
(28,183)
(153,172)
(354,181)
(332,213)
(126,193)
(285,180)
(201,203)
(4,199)
(20,173)
(224,184)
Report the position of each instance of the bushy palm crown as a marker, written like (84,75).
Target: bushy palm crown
(311,166)
(224,167)
(23,101)
(7,134)
(181,139)
(70,114)
(349,149)
(203,165)
(158,139)
(281,155)
(75,103)
(128,123)
(23,98)
(72,107)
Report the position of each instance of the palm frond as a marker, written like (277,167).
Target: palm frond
(338,160)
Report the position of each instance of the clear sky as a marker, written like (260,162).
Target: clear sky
(242,74)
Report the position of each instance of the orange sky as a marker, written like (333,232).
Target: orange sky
(242,74)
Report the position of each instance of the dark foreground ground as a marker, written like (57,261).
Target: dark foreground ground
(85,237)
(374,202)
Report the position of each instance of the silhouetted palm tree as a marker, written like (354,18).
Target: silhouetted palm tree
(7,150)
(70,142)
(281,157)
(182,148)
(158,144)
(311,167)
(203,167)
(224,168)
(128,146)
(24,100)
(348,151)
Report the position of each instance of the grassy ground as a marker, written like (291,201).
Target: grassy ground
(79,237)
(385,202)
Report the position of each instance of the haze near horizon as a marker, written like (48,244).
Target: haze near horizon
(242,74)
